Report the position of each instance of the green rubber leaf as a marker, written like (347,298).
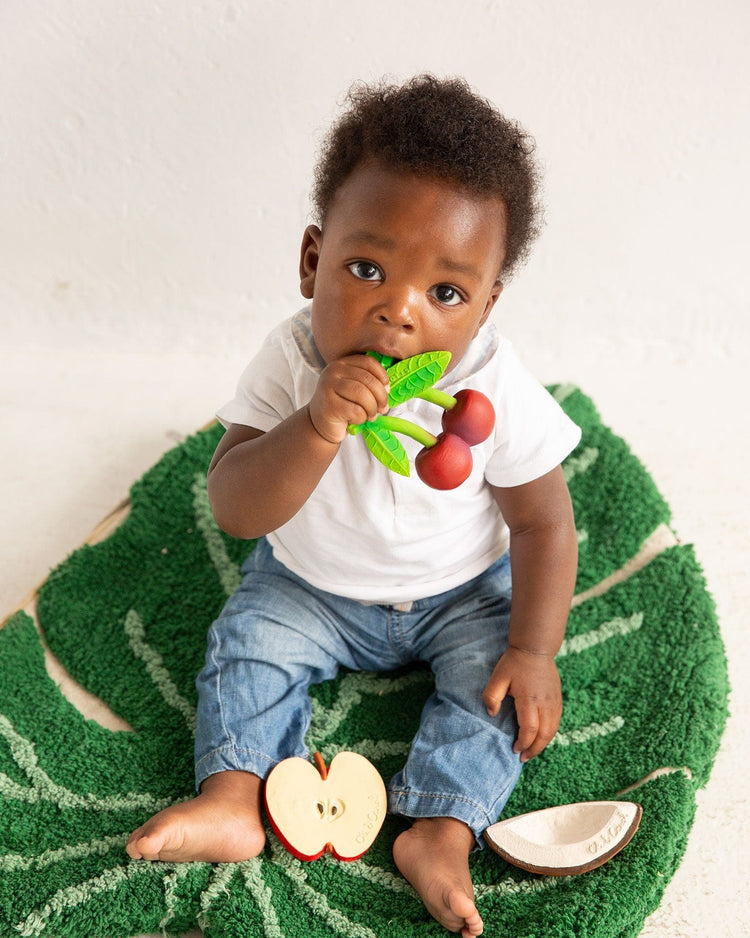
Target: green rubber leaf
(386,447)
(413,375)
(385,360)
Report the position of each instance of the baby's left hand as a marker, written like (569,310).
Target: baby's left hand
(534,683)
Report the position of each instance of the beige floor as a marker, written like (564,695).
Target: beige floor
(77,429)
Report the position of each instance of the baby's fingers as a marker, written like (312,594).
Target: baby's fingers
(350,391)
(537,729)
(528,727)
(494,694)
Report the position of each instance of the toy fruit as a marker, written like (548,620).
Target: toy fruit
(445,461)
(472,417)
(446,464)
(567,839)
(314,809)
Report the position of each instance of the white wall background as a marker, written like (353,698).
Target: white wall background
(155,160)
(157,156)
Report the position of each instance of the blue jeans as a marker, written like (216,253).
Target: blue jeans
(277,635)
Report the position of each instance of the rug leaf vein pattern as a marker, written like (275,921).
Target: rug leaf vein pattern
(154,663)
(44,788)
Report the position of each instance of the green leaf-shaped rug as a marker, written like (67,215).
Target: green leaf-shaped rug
(645,688)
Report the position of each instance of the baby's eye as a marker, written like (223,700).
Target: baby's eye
(364,270)
(446,294)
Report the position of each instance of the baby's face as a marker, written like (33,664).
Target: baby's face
(404,265)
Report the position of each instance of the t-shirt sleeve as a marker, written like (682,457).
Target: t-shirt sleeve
(264,394)
(532,433)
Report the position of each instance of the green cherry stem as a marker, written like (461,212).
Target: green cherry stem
(438,397)
(407,428)
(398,425)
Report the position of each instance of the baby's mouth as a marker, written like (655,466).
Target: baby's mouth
(385,360)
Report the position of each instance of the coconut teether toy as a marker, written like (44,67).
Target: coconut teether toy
(567,839)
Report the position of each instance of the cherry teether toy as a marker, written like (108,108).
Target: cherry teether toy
(445,461)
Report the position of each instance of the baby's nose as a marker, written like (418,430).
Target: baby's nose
(398,309)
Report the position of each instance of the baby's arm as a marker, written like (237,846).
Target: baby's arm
(258,481)
(544,559)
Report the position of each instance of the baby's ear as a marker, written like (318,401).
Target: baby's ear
(495,292)
(308,261)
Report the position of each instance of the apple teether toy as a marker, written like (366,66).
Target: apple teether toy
(445,461)
(339,809)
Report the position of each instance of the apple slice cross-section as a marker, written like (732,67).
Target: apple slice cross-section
(313,809)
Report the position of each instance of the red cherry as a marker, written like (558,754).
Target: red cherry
(472,417)
(446,464)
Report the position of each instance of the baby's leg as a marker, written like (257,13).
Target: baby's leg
(461,766)
(221,825)
(267,645)
(434,856)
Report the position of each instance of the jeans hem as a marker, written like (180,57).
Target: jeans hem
(231,759)
(415,805)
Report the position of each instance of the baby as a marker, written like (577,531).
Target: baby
(426,202)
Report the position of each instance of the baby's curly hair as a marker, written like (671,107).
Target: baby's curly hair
(441,128)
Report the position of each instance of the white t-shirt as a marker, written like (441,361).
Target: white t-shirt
(376,536)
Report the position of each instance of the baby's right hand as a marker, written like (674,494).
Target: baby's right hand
(350,390)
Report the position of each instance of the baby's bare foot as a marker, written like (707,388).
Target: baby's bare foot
(434,856)
(221,825)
